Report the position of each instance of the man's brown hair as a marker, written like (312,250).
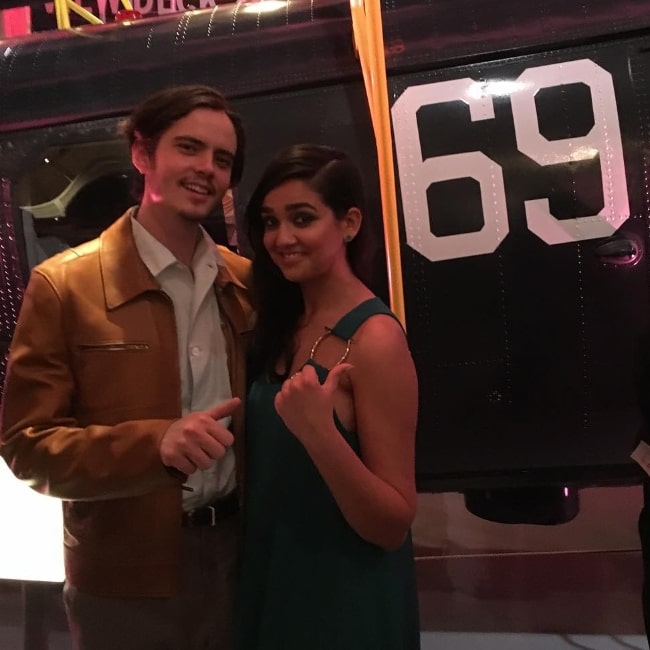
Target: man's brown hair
(157,113)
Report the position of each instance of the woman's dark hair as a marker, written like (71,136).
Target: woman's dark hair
(278,301)
(158,112)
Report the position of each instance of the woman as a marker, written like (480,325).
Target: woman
(330,430)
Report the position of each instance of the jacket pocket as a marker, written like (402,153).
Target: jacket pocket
(122,375)
(113,346)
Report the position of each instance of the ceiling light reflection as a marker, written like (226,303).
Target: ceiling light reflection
(496,88)
(263,6)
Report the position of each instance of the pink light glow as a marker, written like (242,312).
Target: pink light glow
(15,22)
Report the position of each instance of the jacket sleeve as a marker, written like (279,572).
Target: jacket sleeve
(42,444)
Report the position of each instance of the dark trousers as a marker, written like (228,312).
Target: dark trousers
(198,617)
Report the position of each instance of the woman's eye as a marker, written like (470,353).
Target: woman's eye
(268,222)
(303,219)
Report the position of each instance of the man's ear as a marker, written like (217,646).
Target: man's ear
(140,155)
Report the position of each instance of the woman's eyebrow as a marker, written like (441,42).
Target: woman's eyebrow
(301,204)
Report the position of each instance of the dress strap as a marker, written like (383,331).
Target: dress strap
(350,323)
(345,329)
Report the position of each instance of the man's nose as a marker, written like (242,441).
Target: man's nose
(205,163)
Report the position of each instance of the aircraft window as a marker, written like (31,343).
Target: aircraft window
(72,194)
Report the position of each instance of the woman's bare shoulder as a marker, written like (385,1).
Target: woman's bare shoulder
(380,341)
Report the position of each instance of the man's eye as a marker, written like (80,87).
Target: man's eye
(186,147)
(224,163)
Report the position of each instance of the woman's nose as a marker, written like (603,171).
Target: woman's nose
(285,234)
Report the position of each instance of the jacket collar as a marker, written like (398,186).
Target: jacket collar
(124,274)
(225,277)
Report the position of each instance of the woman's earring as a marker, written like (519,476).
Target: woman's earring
(348,238)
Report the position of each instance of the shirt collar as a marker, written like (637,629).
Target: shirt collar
(158,257)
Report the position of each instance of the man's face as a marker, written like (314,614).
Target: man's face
(189,171)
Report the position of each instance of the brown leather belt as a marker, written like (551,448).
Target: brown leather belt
(213,513)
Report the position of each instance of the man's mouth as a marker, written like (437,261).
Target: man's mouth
(198,188)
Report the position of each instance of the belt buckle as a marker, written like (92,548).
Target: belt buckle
(213,515)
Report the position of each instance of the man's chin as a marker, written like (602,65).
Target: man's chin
(195,215)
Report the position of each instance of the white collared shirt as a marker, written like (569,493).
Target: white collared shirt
(202,357)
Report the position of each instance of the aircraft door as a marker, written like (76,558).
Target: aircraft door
(524,208)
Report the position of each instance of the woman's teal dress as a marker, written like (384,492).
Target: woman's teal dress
(308,581)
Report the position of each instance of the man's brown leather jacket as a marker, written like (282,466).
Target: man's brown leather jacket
(92,385)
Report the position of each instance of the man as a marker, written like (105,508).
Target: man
(123,390)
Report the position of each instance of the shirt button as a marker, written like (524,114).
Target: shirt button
(195,350)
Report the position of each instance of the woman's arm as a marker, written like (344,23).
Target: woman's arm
(376,493)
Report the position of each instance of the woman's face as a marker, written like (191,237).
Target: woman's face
(301,234)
